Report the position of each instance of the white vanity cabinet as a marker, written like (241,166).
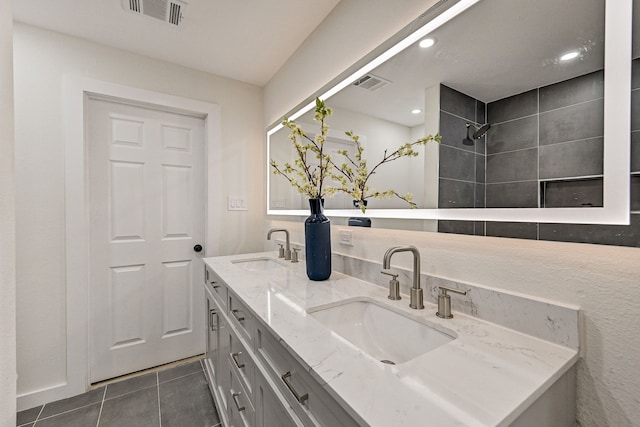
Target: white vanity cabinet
(236,376)
(216,366)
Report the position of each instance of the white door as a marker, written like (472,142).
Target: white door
(146,192)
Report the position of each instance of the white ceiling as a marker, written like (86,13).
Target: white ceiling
(496,49)
(247,40)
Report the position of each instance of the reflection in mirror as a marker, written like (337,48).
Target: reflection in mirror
(531,71)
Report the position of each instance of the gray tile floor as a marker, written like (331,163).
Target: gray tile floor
(176,397)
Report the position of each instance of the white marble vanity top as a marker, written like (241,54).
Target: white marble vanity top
(487,376)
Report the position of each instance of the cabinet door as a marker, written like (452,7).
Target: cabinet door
(271,409)
(222,366)
(212,338)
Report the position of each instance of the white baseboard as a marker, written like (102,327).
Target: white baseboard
(45,395)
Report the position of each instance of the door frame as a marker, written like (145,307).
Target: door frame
(77,91)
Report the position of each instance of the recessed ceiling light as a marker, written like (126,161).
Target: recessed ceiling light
(416,111)
(569,55)
(427,43)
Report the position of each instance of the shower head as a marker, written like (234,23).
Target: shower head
(468,140)
(481,131)
(477,133)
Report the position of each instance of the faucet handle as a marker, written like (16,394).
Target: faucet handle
(280,251)
(394,286)
(294,254)
(444,301)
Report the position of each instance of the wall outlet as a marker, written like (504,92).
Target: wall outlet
(345,237)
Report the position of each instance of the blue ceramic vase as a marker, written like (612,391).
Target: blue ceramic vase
(317,239)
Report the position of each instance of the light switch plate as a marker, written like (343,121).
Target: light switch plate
(345,237)
(236,204)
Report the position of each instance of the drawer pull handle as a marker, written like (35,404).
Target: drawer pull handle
(235,314)
(212,325)
(235,400)
(285,378)
(234,356)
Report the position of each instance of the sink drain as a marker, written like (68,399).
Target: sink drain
(388,362)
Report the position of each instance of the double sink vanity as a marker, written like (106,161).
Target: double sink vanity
(286,351)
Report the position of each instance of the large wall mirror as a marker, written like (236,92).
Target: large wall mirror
(532,100)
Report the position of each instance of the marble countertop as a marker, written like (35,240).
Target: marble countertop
(487,376)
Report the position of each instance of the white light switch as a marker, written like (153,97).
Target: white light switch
(236,204)
(345,237)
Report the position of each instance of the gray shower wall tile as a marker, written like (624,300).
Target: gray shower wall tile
(580,121)
(519,230)
(635,151)
(573,194)
(479,228)
(457,164)
(481,112)
(480,195)
(573,91)
(456,227)
(481,176)
(512,195)
(572,159)
(635,74)
(513,135)
(635,193)
(453,130)
(635,110)
(521,105)
(481,145)
(512,166)
(455,194)
(619,235)
(457,103)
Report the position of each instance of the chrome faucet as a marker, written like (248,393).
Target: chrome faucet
(417,299)
(287,245)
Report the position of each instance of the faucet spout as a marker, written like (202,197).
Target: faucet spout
(287,245)
(417,298)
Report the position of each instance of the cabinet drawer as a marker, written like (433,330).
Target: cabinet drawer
(241,411)
(240,359)
(241,317)
(272,410)
(217,286)
(309,400)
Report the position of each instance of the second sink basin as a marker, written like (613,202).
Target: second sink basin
(380,332)
(258,264)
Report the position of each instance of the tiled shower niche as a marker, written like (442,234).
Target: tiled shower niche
(544,149)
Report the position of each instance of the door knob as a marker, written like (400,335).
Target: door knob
(197,248)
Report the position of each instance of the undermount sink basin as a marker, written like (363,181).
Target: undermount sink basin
(380,332)
(258,264)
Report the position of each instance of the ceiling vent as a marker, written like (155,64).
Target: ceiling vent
(170,11)
(371,82)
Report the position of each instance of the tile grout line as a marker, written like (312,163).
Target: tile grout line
(158,393)
(38,417)
(102,404)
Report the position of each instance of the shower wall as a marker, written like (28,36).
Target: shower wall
(544,149)
(461,176)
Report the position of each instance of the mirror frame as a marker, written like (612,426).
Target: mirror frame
(617,134)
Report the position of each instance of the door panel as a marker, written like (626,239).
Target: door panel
(146,192)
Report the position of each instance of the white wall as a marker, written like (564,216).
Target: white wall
(352,29)
(42,58)
(602,280)
(7,224)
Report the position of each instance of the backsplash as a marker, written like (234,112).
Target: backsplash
(530,132)
(551,321)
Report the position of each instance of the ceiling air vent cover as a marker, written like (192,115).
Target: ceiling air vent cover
(170,11)
(371,82)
